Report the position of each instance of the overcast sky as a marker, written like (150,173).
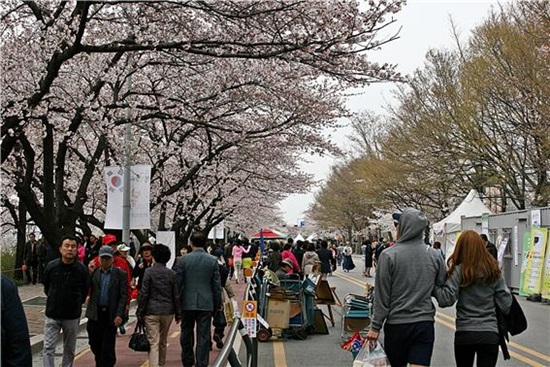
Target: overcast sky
(425,25)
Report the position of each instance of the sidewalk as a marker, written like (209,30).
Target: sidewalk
(33,299)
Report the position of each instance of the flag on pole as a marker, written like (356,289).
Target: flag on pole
(262,244)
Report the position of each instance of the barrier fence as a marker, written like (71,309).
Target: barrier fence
(227,353)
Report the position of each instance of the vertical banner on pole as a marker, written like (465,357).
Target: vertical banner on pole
(140,176)
(262,242)
(534,262)
(168,238)
(502,246)
(546,271)
(217,232)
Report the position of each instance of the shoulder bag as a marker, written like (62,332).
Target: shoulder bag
(138,340)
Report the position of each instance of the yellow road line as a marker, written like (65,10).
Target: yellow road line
(279,353)
(82,353)
(452,326)
(530,351)
(526,360)
(145,364)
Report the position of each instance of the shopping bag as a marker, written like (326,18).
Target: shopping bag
(354,344)
(138,340)
(229,311)
(372,355)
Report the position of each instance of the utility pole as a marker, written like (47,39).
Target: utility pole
(126,179)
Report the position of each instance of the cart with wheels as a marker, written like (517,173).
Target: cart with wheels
(356,315)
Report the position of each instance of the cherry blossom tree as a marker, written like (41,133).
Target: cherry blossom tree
(195,79)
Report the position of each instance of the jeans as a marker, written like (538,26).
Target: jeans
(52,328)
(102,339)
(203,320)
(157,327)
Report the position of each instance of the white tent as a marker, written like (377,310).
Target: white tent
(312,237)
(447,229)
(299,237)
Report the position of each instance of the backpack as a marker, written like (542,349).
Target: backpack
(513,323)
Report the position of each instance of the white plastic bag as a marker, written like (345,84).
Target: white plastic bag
(371,355)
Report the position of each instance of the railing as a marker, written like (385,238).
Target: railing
(228,354)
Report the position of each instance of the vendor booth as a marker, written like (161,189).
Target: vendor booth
(269,234)
(447,230)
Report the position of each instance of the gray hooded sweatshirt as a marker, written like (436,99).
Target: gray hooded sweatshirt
(406,275)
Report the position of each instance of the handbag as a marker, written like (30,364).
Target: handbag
(138,340)
(513,323)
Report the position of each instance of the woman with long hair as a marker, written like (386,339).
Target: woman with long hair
(476,282)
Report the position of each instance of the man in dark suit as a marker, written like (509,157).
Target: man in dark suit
(106,309)
(198,279)
(30,259)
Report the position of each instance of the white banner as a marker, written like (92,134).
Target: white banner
(168,238)
(140,181)
(217,232)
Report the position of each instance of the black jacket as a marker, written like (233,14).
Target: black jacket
(66,286)
(118,291)
(492,249)
(16,346)
(325,255)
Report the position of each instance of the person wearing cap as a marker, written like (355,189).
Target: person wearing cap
(144,261)
(405,279)
(119,262)
(66,284)
(198,279)
(106,307)
(285,269)
(123,249)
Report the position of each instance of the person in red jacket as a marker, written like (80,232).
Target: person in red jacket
(119,262)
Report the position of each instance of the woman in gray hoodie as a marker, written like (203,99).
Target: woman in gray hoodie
(476,282)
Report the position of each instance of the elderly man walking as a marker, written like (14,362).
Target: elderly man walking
(198,279)
(66,283)
(405,278)
(106,309)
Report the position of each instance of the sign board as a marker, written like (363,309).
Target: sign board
(250,309)
(249,317)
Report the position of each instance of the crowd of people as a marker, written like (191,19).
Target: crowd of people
(107,273)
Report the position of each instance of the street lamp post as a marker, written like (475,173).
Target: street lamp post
(126,179)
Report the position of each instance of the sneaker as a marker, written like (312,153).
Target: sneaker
(218,340)
(122,329)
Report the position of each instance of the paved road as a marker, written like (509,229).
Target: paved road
(532,348)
